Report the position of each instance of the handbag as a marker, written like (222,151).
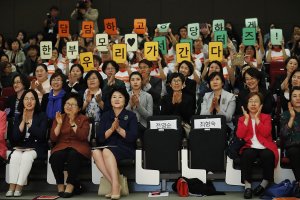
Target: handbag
(105,186)
(234,146)
(283,189)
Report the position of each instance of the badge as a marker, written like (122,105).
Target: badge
(125,117)
(223,101)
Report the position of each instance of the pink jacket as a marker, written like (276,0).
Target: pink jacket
(263,134)
(3,147)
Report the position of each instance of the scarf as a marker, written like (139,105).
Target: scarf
(54,103)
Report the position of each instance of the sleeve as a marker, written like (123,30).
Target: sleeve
(205,106)
(53,137)
(264,127)
(21,60)
(268,105)
(2,125)
(39,129)
(17,134)
(166,108)
(242,129)
(284,120)
(228,113)
(103,128)
(83,130)
(131,130)
(146,110)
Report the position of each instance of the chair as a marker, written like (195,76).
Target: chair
(276,69)
(160,151)
(8,91)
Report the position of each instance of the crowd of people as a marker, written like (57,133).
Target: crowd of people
(57,99)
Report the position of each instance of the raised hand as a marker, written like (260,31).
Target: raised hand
(88,97)
(258,112)
(245,113)
(291,110)
(58,118)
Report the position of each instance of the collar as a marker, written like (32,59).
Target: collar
(122,116)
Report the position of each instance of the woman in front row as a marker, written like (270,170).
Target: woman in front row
(118,130)
(290,129)
(255,128)
(70,133)
(30,129)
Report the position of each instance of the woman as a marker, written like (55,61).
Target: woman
(30,131)
(282,84)
(42,84)
(70,135)
(290,130)
(219,101)
(118,130)
(76,83)
(52,102)
(255,129)
(277,53)
(6,74)
(252,56)
(54,64)
(141,102)
(3,129)
(16,55)
(253,80)
(93,104)
(177,102)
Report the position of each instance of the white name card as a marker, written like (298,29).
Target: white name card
(207,123)
(163,124)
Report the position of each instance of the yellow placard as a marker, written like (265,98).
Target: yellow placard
(119,53)
(215,51)
(86,60)
(151,51)
(183,52)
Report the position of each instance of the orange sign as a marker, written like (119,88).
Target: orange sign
(87,29)
(140,26)
(110,26)
(63,28)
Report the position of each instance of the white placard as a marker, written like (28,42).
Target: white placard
(163,124)
(102,42)
(131,41)
(163,28)
(207,123)
(72,50)
(251,23)
(46,49)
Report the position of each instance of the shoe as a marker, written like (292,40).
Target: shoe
(17,193)
(248,193)
(60,194)
(115,196)
(68,194)
(259,190)
(108,196)
(9,193)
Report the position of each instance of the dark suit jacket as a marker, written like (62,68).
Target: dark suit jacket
(38,134)
(155,91)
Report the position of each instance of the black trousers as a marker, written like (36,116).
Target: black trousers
(293,153)
(267,162)
(73,161)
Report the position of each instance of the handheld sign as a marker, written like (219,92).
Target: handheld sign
(218,25)
(46,49)
(162,44)
(119,53)
(190,41)
(72,50)
(86,60)
(63,28)
(140,26)
(183,52)
(276,36)
(215,51)
(110,26)
(163,28)
(151,51)
(131,41)
(221,36)
(87,29)
(251,23)
(193,31)
(102,42)
(249,36)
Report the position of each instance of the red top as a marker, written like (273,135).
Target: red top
(3,147)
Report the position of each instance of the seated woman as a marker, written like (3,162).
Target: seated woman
(75,82)
(177,102)
(253,80)
(141,102)
(118,129)
(3,128)
(290,130)
(42,84)
(93,104)
(16,54)
(219,101)
(30,132)
(255,129)
(53,102)
(70,134)
(6,74)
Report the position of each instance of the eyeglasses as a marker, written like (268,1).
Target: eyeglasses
(90,79)
(29,99)
(17,82)
(71,105)
(254,102)
(176,81)
(143,67)
(56,80)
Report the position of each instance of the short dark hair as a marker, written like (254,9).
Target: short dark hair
(15,40)
(290,79)
(34,47)
(98,76)
(56,74)
(190,66)
(253,72)
(290,58)
(135,73)
(3,65)
(213,75)
(251,94)
(79,66)
(24,80)
(147,62)
(292,90)
(123,91)
(43,66)
(75,96)
(113,63)
(175,75)
(37,107)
